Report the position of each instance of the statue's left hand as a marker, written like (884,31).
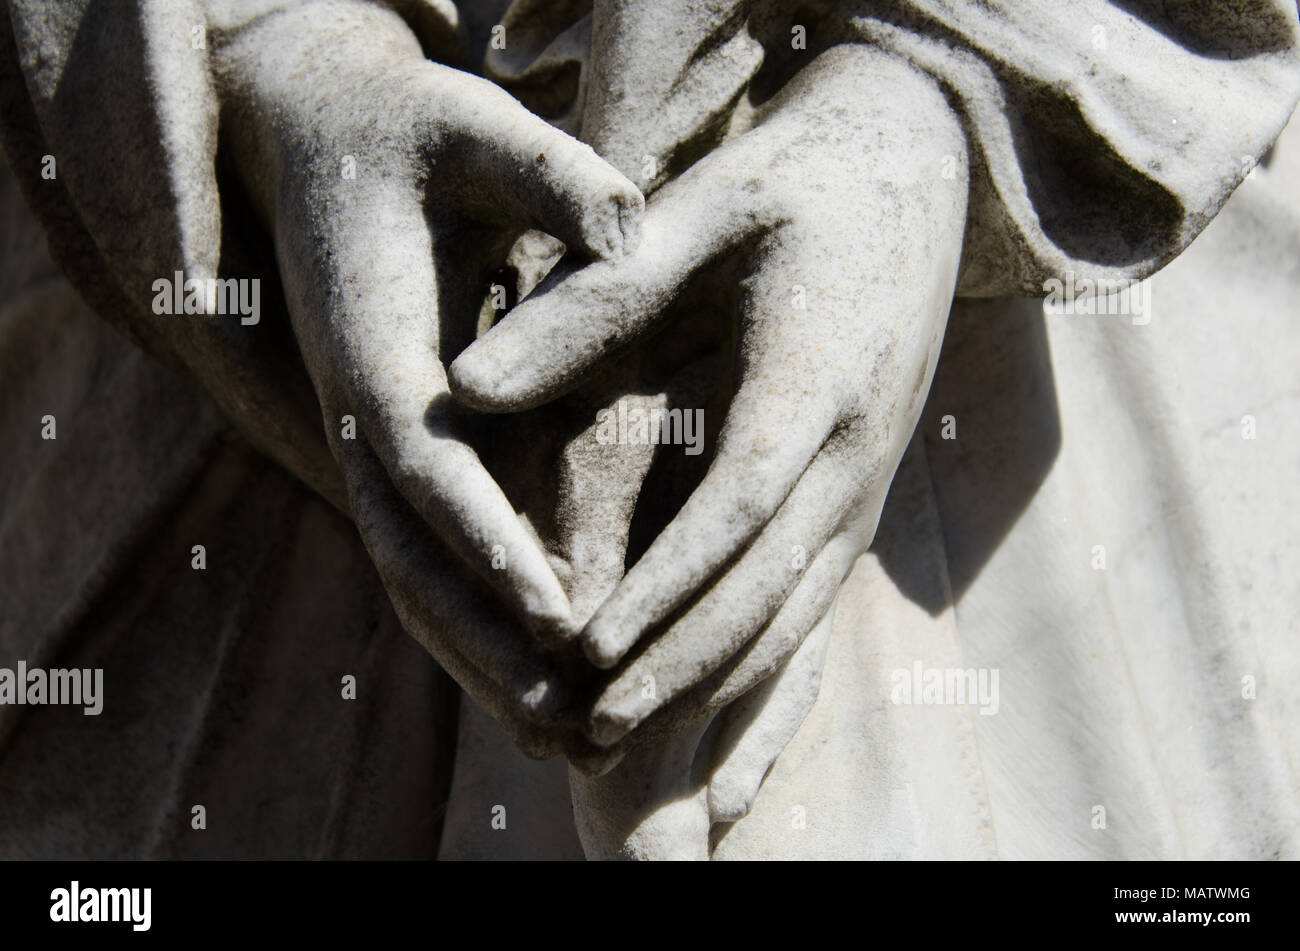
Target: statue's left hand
(846,224)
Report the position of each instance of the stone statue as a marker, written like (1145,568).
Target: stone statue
(674,375)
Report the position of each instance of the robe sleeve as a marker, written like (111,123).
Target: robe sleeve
(1105,134)
(111,126)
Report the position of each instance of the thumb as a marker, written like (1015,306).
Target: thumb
(578,316)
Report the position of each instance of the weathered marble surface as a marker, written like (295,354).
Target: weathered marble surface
(834,197)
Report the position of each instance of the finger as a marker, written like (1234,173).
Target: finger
(768,440)
(794,360)
(370,321)
(785,633)
(438,604)
(763,656)
(443,607)
(532,739)
(759,726)
(558,735)
(517,167)
(735,607)
(576,318)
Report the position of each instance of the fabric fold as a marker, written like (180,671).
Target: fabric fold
(1108,132)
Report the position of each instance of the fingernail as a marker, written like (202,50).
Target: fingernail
(617,223)
(629,223)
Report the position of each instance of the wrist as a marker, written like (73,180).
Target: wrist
(293,84)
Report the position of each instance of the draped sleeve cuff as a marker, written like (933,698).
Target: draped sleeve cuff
(1105,134)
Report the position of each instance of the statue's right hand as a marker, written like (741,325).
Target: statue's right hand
(389,183)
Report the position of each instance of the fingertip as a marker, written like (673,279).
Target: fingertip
(473,382)
(547,611)
(569,191)
(520,573)
(620,710)
(606,728)
(601,646)
(493,377)
(731,798)
(553,629)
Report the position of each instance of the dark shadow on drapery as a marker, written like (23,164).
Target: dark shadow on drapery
(1082,190)
(1214,28)
(994,379)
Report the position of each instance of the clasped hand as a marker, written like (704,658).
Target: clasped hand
(836,215)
